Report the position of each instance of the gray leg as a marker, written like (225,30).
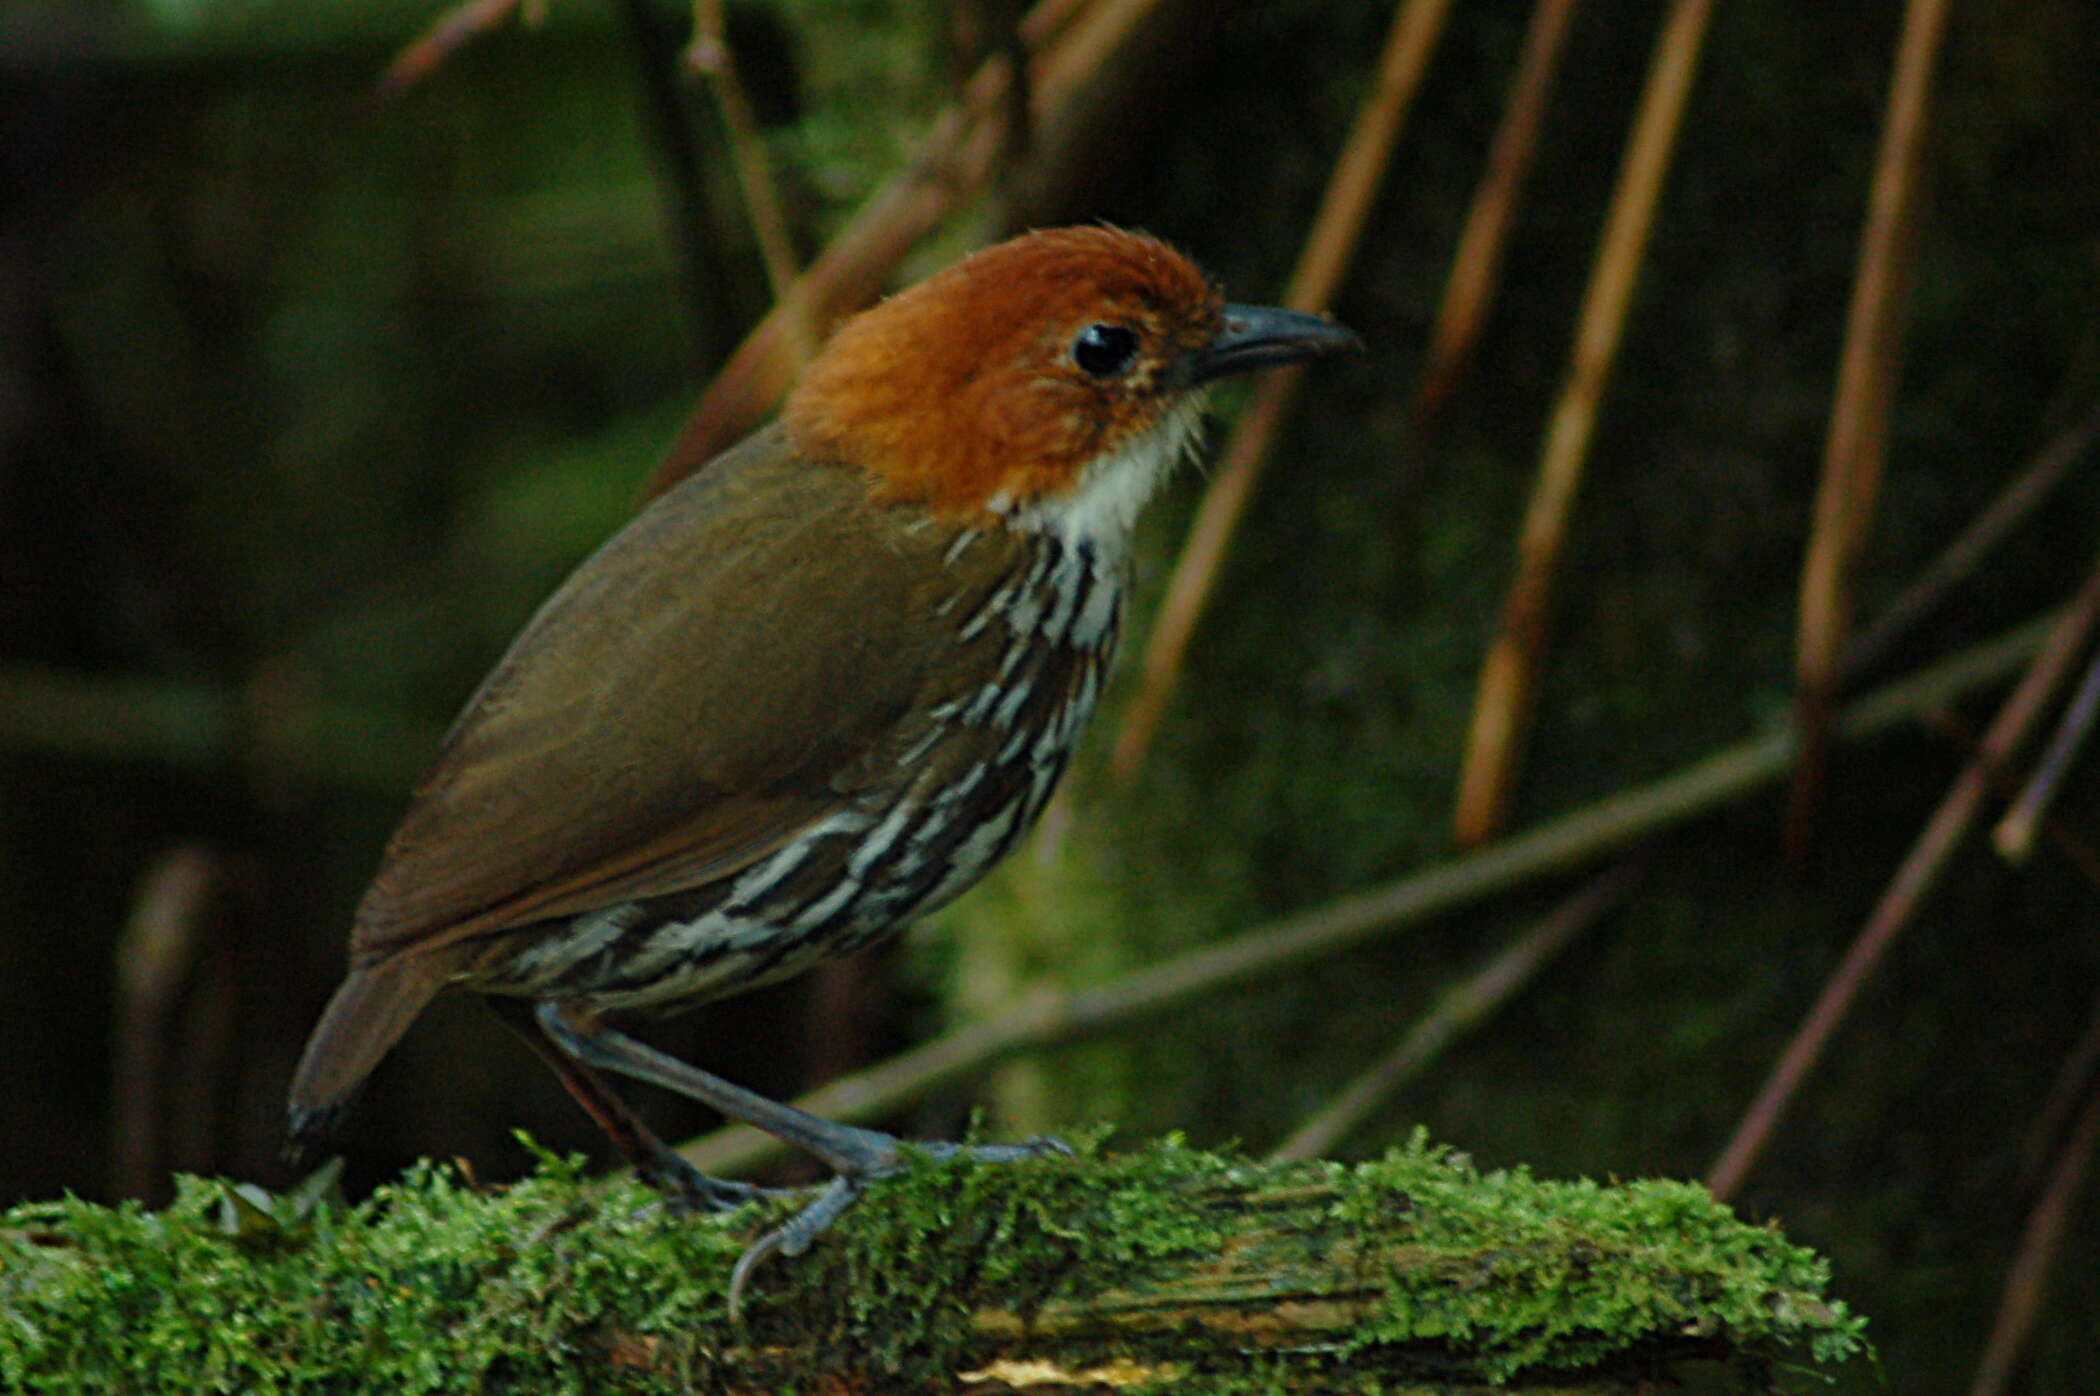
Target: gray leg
(857,1155)
(685,1187)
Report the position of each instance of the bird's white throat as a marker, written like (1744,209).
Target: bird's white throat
(1113,489)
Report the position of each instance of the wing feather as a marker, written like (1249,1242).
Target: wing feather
(693,696)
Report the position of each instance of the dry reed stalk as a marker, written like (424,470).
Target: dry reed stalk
(2077,1077)
(1985,532)
(1899,903)
(445,35)
(1509,676)
(2015,834)
(1458,1010)
(156,958)
(1329,247)
(2080,851)
(1476,267)
(2026,1280)
(1857,443)
(708,53)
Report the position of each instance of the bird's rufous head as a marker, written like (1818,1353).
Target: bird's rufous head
(1057,372)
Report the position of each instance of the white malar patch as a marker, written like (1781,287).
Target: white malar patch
(1113,489)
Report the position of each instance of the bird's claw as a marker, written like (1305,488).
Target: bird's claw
(797,1233)
(689,1192)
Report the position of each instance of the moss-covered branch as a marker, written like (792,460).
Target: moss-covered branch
(1165,1269)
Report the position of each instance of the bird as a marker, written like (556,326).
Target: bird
(812,692)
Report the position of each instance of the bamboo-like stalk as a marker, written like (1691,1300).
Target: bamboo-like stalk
(1985,532)
(668,121)
(2077,1077)
(1857,442)
(2015,834)
(154,959)
(708,53)
(1458,1010)
(1048,1015)
(2027,1279)
(2079,849)
(1509,676)
(952,164)
(1329,247)
(1907,889)
(1476,266)
(444,36)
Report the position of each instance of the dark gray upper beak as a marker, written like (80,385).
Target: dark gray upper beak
(1256,336)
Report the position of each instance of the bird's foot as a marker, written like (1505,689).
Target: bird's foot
(687,1191)
(794,1236)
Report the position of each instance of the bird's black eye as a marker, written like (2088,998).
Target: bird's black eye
(1104,351)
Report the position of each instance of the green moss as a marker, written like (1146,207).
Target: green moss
(560,1284)
(1563,1274)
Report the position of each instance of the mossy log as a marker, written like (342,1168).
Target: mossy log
(1164,1269)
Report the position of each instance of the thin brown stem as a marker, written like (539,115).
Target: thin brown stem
(446,35)
(1048,1015)
(1458,1010)
(708,53)
(2079,850)
(1913,880)
(2014,836)
(1476,266)
(669,126)
(155,958)
(1509,676)
(2026,1282)
(1324,261)
(1857,443)
(1988,529)
(2077,1079)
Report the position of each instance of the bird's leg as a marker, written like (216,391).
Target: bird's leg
(857,1155)
(659,1165)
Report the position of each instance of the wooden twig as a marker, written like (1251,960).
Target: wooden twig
(2077,847)
(2026,1281)
(2077,1079)
(1907,889)
(1858,440)
(1988,529)
(154,960)
(952,164)
(1476,267)
(979,29)
(1329,248)
(1048,1016)
(449,33)
(708,52)
(1458,1010)
(1509,676)
(2014,836)
(670,130)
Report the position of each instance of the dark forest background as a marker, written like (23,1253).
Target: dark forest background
(309,393)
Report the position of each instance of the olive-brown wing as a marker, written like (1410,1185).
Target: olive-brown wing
(692,697)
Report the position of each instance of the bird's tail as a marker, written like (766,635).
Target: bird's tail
(372,1008)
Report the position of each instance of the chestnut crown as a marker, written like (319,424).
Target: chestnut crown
(1038,377)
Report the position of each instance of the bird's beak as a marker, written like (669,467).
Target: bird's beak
(1257,336)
